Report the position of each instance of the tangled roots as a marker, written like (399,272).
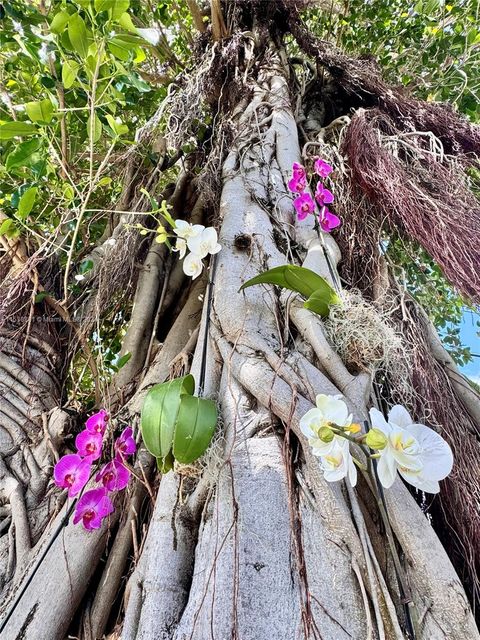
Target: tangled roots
(366,339)
(408,182)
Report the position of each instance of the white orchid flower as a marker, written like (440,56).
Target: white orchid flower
(418,453)
(330,410)
(338,463)
(192,265)
(204,243)
(184,229)
(181,247)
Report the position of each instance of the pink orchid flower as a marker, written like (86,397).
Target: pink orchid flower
(304,205)
(328,220)
(298,171)
(72,473)
(92,508)
(298,181)
(297,184)
(114,476)
(323,196)
(98,422)
(125,443)
(89,444)
(322,168)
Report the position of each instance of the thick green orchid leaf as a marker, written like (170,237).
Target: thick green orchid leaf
(321,300)
(196,421)
(290,277)
(159,414)
(320,295)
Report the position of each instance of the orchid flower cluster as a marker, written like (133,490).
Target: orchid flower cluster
(199,240)
(304,203)
(73,471)
(419,454)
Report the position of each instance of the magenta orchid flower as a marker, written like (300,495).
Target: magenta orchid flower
(297,184)
(89,444)
(298,171)
(92,508)
(328,220)
(323,196)
(322,168)
(304,205)
(72,473)
(125,443)
(114,476)
(98,422)
(298,181)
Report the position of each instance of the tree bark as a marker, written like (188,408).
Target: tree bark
(250,543)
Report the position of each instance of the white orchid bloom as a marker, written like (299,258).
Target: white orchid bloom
(338,463)
(181,247)
(152,36)
(330,410)
(418,453)
(184,229)
(204,243)
(192,265)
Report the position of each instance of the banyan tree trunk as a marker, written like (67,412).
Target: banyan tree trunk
(251,543)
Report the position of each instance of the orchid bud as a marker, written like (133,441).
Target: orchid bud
(326,434)
(376,439)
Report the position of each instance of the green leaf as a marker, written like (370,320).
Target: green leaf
(118,128)
(120,7)
(59,22)
(123,360)
(94,131)
(104,5)
(69,73)
(120,48)
(320,295)
(77,33)
(159,414)
(26,202)
(126,22)
(41,111)
(22,155)
(321,300)
(166,464)
(5,226)
(290,277)
(41,296)
(196,422)
(12,129)
(86,266)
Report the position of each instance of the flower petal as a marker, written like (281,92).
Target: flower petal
(436,454)
(399,416)
(379,422)
(386,468)
(311,422)
(420,482)
(334,410)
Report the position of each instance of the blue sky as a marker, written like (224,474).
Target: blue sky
(469,336)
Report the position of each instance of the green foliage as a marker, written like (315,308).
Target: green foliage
(320,295)
(175,423)
(432,46)
(78,79)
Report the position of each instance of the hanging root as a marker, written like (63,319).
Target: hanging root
(362,80)
(418,193)
(435,403)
